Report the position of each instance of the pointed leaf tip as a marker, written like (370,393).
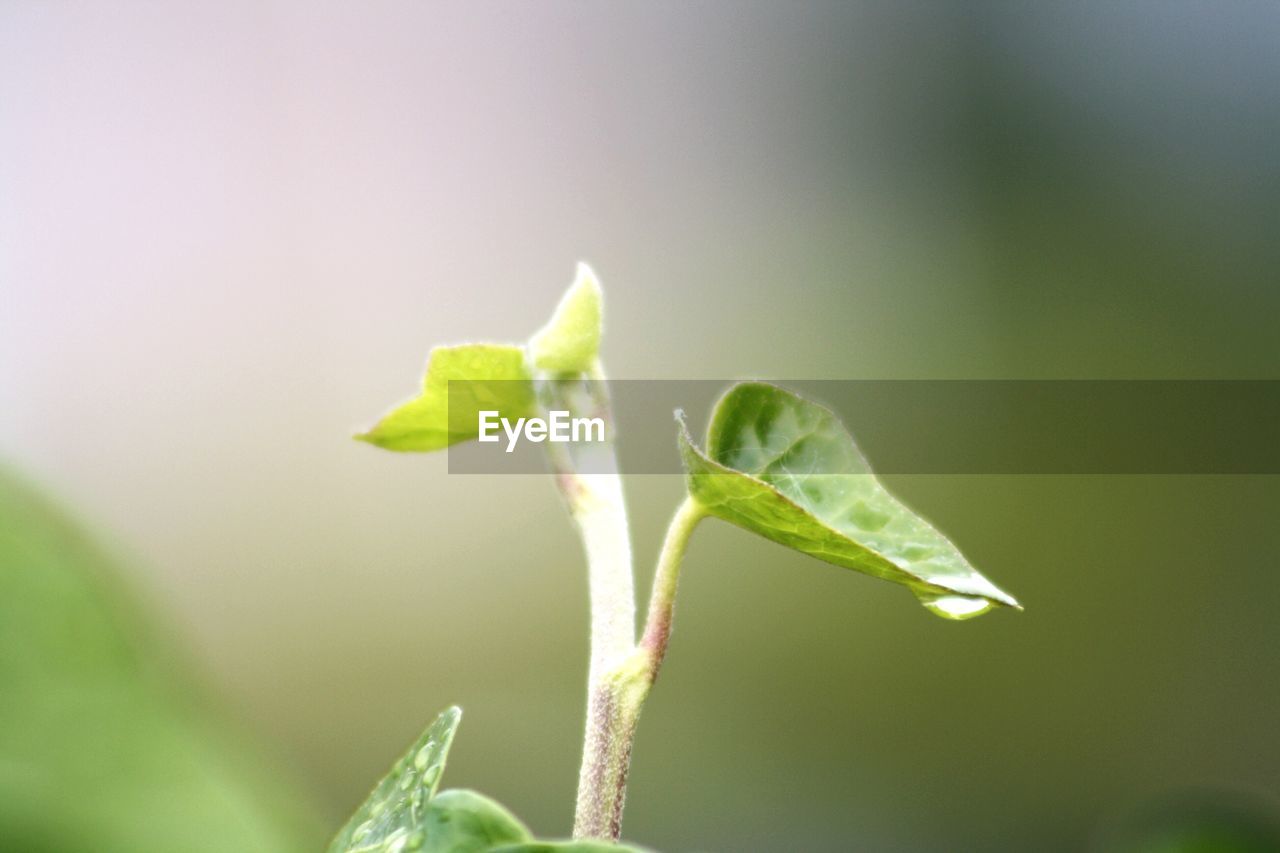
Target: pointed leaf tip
(787,469)
(570,341)
(399,803)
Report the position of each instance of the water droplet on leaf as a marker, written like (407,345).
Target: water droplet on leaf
(951,606)
(396,841)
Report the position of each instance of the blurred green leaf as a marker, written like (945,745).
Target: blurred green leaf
(787,469)
(570,341)
(1204,820)
(100,746)
(568,847)
(484,376)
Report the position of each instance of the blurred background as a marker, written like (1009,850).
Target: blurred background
(230,232)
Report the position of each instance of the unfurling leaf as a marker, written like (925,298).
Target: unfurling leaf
(787,469)
(570,341)
(484,376)
(495,377)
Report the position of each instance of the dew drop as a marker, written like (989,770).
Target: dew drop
(916,551)
(951,606)
(395,842)
(431,774)
(424,755)
(867,517)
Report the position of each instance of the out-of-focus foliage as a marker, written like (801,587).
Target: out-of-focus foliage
(1209,821)
(97,750)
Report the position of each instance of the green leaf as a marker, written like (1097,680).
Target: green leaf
(461,821)
(101,745)
(398,806)
(570,341)
(483,376)
(404,813)
(787,469)
(461,381)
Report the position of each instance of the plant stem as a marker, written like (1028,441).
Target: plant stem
(662,599)
(589,482)
(621,672)
(596,502)
(606,741)
(601,518)
(615,701)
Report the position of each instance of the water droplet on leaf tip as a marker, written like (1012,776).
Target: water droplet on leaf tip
(956,607)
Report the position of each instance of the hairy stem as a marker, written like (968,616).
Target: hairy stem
(609,724)
(601,517)
(588,479)
(613,707)
(614,702)
(621,672)
(662,599)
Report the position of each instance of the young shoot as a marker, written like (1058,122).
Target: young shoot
(771,463)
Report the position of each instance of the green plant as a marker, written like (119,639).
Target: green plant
(106,740)
(773,463)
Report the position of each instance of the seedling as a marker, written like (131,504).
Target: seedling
(772,463)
